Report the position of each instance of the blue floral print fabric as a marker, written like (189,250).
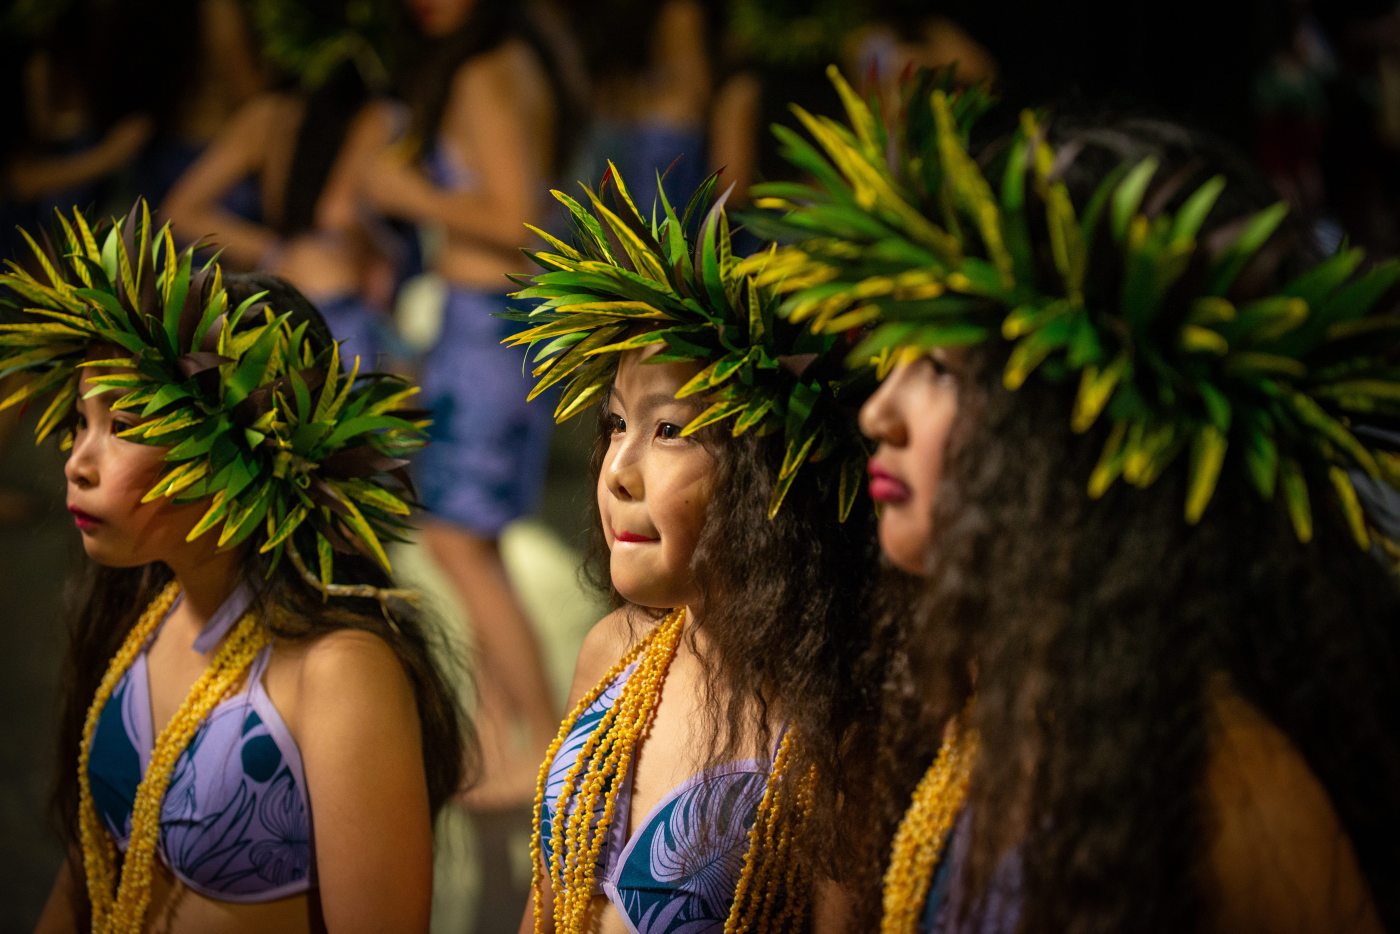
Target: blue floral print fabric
(235,823)
(678,871)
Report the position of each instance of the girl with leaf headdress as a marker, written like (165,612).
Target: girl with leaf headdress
(715,713)
(1119,438)
(253,722)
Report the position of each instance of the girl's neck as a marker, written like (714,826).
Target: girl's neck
(206,581)
(693,636)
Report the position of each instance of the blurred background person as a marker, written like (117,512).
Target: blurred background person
(773,55)
(482,145)
(649,67)
(304,148)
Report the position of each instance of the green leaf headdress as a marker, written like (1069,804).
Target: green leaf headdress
(903,232)
(258,420)
(630,283)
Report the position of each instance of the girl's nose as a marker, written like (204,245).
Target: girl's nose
(80,469)
(623,475)
(880,417)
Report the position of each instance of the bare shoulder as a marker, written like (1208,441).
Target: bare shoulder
(605,643)
(1282,860)
(349,657)
(347,673)
(511,71)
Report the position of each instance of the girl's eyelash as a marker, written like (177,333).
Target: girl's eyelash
(939,364)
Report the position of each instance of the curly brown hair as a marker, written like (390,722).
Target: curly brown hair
(787,618)
(1095,628)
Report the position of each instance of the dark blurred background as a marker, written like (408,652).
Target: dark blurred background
(105,100)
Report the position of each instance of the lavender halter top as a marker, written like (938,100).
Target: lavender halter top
(678,869)
(235,824)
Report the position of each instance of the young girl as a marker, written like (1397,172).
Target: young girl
(258,746)
(486,122)
(693,784)
(1180,699)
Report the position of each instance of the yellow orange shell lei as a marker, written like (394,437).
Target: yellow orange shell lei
(919,842)
(769,894)
(119,905)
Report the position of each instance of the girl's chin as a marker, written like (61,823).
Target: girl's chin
(116,562)
(649,594)
(908,552)
(649,599)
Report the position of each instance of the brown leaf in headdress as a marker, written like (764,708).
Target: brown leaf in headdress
(360,461)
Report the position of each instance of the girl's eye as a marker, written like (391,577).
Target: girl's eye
(79,423)
(937,362)
(616,424)
(668,430)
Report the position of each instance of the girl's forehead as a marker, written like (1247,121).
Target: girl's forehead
(89,373)
(637,374)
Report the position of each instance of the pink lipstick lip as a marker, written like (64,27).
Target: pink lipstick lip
(84,521)
(885,487)
(625,536)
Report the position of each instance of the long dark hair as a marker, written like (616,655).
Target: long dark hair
(1099,631)
(1098,626)
(787,620)
(328,111)
(107,602)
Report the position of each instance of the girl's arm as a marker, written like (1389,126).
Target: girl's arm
(494,113)
(357,727)
(605,643)
(237,152)
(65,908)
(30,177)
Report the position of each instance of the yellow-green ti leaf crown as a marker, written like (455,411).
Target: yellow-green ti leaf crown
(258,420)
(628,283)
(902,232)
